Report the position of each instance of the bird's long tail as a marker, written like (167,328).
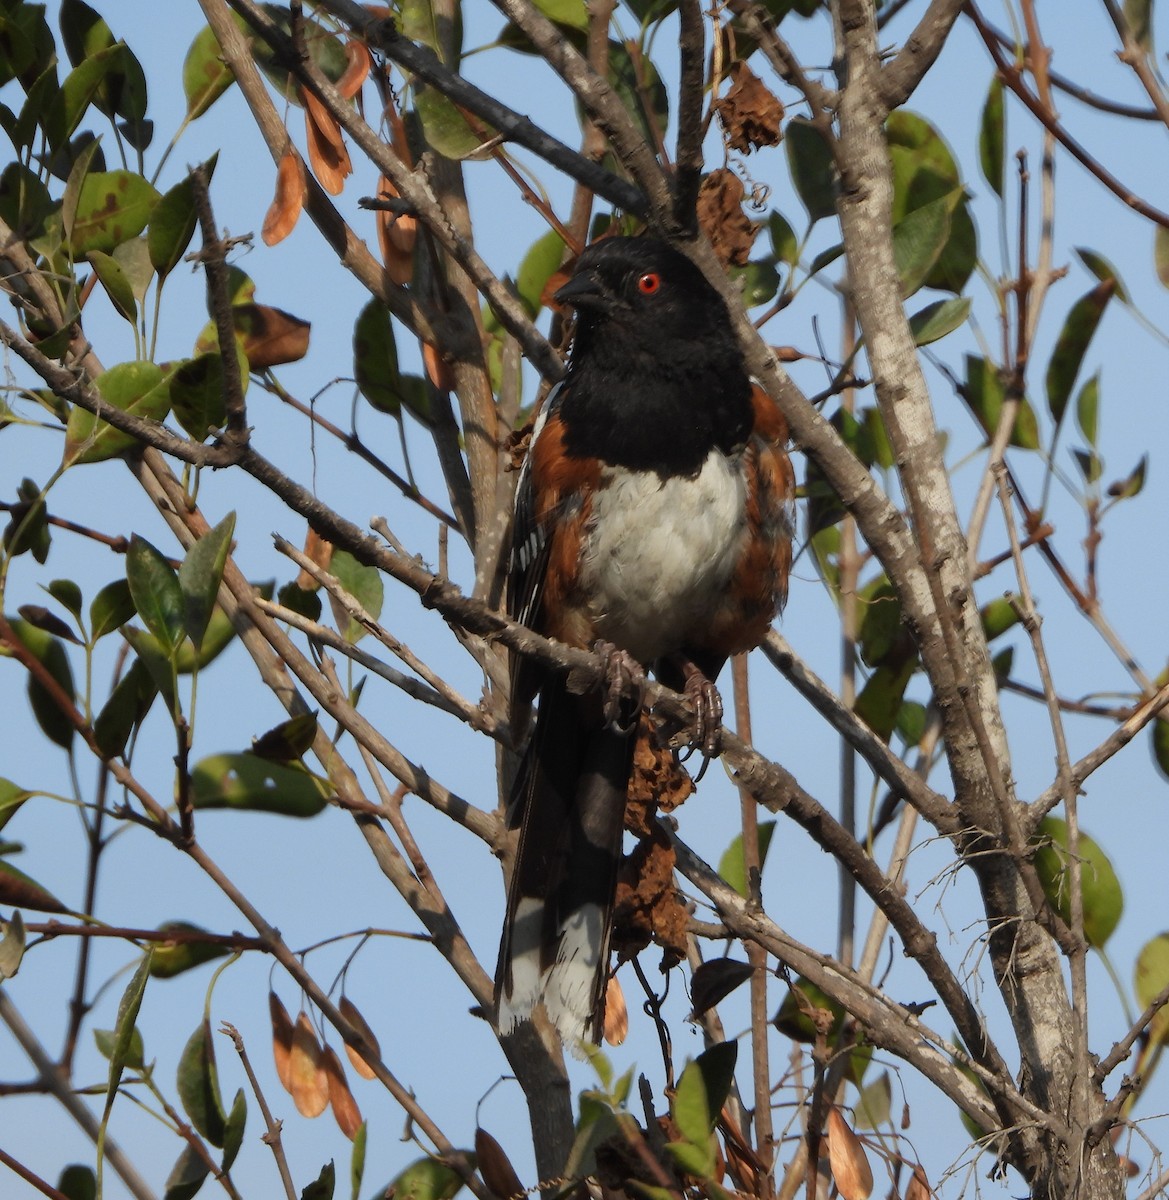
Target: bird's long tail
(569,804)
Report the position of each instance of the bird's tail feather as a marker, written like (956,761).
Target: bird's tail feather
(569,803)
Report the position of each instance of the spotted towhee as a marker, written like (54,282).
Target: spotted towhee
(651,520)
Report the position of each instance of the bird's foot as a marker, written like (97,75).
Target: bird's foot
(624,687)
(708,711)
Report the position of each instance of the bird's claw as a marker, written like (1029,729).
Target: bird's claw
(708,713)
(624,688)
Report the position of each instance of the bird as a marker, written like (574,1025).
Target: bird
(652,524)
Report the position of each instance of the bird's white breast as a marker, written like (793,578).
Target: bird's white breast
(659,552)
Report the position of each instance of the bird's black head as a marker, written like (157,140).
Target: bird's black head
(642,290)
(655,376)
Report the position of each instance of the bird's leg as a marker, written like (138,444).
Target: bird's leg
(624,687)
(708,707)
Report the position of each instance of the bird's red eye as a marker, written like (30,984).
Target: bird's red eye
(649,283)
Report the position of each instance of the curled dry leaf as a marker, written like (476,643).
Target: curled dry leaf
(357,72)
(340,1097)
(847,1158)
(270,335)
(919,1186)
(496,1168)
(350,1013)
(721,215)
(396,234)
(307,1081)
(749,113)
(281,1040)
(437,370)
(289,199)
(616,1014)
(714,981)
(326,147)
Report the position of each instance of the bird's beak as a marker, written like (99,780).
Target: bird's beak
(585,290)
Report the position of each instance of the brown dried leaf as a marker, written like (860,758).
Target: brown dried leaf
(281,1040)
(721,215)
(919,1186)
(307,1081)
(847,1158)
(616,1014)
(357,72)
(320,551)
(657,783)
(326,147)
(270,335)
(437,370)
(749,112)
(647,907)
(496,1168)
(289,199)
(340,1097)
(350,1013)
(396,234)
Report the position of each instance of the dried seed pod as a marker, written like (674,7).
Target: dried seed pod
(357,72)
(284,210)
(919,1187)
(281,1039)
(846,1156)
(495,1167)
(350,1013)
(307,1083)
(340,1097)
(437,370)
(616,1014)
(326,147)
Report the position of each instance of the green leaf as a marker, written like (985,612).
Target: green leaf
(1072,345)
(997,617)
(113,279)
(106,1041)
(200,577)
(12,940)
(959,255)
(51,654)
(1160,735)
(1088,409)
(111,608)
(641,90)
(809,159)
(1138,15)
(64,113)
(717,1067)
(875,1102)
(784,244)
(197,393)
(175,958)
(934,321)
(123,1043)
(125,709)
(732,864)
(1099,266)
(880,699)
(112,207)
(918,240)
(19,890)
(12,796)
(1150,978)
(187,1175)
(911,722)
(357,1160)
(246,782)
(1102,897)
(1090,464)
(233,1130)
(693,1158)
(322,1187)
(289,740)
(67,593)
(28,530)
(444,126)
(882,633)
(985,393)
(541,262)
(158,596)
(1161,254)
(1133,484)
(364,584)
(156,660)
(172,224)
(205,75)
(78,1182)
(375,359)
(427,1179)
(137,388)
(198,1085)
(757,282)
(86,36)
(992,136)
